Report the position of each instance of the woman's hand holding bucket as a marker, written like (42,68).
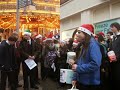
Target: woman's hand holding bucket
(71,62)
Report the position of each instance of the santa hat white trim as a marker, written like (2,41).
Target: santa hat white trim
(38,36)
(49,39)
(27,33)
(85,30)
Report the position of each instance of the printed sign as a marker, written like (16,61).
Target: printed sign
(104,26)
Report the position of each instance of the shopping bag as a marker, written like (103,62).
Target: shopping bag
(73,88)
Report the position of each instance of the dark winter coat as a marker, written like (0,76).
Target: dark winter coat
(116,46)
(38,47)
(7,57)
(115,66)
(27,49)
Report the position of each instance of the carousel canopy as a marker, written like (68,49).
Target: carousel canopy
(44,15)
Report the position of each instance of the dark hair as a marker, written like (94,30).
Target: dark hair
(100,38)
(115,24)
(73,35)
(37,40)
(70,44)
(86,44)
(56,41)
(111,33)
(12,38)
(14,34)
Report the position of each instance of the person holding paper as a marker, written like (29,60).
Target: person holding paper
(87,67)
(28,51)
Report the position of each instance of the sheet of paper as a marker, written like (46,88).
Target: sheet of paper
(53,67)
(30,63)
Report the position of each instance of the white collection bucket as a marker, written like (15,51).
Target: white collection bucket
(73,88)
(71,55)
(66,76)
(62,75)
(112,56)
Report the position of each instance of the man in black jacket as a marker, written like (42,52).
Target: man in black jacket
(28,51)
(115,64)
(8,63)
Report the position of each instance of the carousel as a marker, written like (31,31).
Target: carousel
(43,18)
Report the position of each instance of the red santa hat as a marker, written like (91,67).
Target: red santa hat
(101,33)
(87,28)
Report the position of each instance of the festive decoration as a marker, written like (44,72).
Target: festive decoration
(41,20)
(27,32)
(87,28)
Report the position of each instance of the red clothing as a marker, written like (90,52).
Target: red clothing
(50,35)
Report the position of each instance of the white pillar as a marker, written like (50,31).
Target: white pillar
(86,17)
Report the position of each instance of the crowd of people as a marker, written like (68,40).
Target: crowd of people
(92,67)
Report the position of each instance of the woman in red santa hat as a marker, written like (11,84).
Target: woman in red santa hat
(87,66)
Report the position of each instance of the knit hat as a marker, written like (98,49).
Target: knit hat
(38,36)
(27,32)
(87,28)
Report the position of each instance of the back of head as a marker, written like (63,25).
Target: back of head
(12,38)
(15,34)
(100,38)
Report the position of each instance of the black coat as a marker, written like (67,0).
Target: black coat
(27,50)
(115,66)
(116,46)
(38,51)
(7,57)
